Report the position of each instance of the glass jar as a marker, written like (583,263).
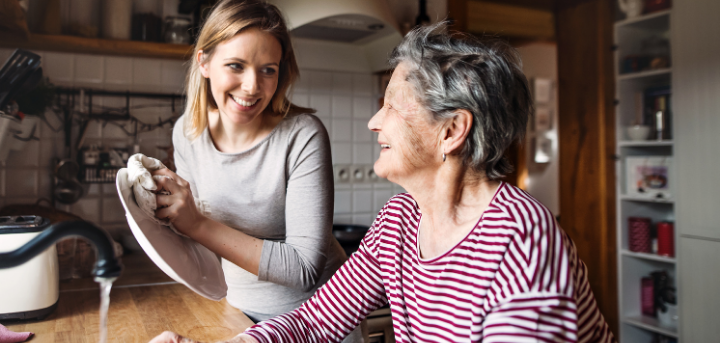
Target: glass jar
(177,30)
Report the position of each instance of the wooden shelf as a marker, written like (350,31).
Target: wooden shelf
(98,46)
(650,324)
(646,256)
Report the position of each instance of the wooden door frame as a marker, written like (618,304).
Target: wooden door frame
(586,112)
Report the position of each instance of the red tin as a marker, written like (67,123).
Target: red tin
(666,239)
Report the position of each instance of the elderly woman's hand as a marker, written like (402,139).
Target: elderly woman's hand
(178,207)
(241,338)
(171,337)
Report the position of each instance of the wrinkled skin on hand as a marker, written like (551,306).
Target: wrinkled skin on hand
(171,337)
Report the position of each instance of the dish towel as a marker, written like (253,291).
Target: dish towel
(7,336)
(145,190)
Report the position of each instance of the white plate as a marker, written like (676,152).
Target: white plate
(181,258)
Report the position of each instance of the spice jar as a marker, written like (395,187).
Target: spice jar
(117,17)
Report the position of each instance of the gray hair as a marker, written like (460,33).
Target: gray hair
(452,72)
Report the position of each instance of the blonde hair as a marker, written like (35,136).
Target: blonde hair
(227,19)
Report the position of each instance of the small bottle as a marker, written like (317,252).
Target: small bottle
(422,18)
(660,118)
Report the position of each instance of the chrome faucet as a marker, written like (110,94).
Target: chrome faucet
(106,265)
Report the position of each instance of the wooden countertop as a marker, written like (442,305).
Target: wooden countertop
(137,314)
(144,302)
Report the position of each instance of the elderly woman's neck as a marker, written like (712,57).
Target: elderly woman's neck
(454,194)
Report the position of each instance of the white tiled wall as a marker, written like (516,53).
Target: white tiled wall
(26,175)
(344,102)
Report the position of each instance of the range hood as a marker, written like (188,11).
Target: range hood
(347,21)
(345,28)
(338,29)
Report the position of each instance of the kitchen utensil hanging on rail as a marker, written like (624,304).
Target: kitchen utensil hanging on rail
(68,189)
(20,74)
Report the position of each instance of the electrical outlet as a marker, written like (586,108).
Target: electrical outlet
(370,175)
(341,173)
(357,174)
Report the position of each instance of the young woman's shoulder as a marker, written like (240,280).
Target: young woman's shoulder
(304,122)
(179,136)
(304,126)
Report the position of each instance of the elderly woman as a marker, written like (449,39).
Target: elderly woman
(462,256)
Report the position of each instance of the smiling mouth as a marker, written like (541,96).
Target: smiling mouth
(244,103)
(384,146)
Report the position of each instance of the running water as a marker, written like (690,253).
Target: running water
(105,286)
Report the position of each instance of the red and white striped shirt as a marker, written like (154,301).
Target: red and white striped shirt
(516,277)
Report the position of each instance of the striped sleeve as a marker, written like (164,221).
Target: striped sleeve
(337,307)
(531,298)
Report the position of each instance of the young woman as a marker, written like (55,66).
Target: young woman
(260,163)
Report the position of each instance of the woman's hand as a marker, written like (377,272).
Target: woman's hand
(179,206)
(171,337)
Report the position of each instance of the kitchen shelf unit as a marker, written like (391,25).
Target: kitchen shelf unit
(98,46)
(632,266)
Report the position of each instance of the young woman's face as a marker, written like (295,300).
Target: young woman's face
(243,73)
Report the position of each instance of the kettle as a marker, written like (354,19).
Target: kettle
(29,264)
(631,8)
(30,290)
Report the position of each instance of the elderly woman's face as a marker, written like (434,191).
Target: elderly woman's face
(409,140)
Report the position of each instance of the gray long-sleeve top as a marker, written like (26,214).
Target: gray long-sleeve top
(281,191)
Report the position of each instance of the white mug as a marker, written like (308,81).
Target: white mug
(668,318)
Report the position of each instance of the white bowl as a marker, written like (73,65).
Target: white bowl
(638,132)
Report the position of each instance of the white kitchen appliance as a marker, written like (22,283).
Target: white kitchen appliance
(30,290)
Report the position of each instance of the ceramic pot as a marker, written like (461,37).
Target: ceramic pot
(631,8)
(638,132)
